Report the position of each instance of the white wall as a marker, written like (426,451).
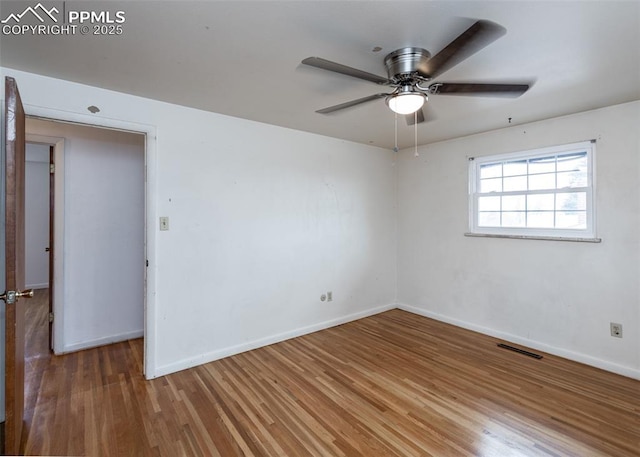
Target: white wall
(274,219)
(37,216)
(555,296)
(263,220)
(103,233)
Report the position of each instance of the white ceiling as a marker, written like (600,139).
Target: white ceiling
(242,59)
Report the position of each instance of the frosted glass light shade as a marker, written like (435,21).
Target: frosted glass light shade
(406,103)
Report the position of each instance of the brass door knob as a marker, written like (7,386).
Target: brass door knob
(25,294)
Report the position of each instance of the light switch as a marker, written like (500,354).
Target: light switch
(164,223)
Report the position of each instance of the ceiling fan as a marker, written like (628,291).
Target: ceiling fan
(409,69)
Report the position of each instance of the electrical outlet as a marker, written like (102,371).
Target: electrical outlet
(329,296)
(616,330)
(323,297)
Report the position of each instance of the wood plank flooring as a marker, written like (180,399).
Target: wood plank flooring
(394,384)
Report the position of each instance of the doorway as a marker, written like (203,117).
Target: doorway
(37,205)
(38,230)
(14,172)
(99,233)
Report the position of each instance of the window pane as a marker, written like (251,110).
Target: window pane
(571,220)
(542,165)
(514,203)
(491,185)
(572,179)
(534,192)
(514,184)
(540,219)
(573,162)
(540,202)
(571,201)
(489,203)
(544,181)
(518,167)
(489,219)
(492,170)
(513,219)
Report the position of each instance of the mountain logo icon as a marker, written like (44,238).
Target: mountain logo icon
(39,11)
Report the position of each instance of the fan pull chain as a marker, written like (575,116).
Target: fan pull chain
(395,144)
(415,132)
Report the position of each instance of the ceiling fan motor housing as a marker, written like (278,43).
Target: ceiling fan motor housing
(404,63)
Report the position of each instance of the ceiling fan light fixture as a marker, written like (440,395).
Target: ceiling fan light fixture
(406,102)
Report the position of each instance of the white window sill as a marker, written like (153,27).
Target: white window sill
(533,237)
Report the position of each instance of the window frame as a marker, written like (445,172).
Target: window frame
(587,234)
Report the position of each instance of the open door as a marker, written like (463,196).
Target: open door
(14,241)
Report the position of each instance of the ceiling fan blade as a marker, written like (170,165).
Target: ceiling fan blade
(411,118)
(468,43)
(324,64)
(358,101)
(481,89)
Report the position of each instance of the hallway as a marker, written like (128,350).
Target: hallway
(56,415)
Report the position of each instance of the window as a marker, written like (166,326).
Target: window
(541,193)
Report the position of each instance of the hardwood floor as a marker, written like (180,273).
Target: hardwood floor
(394,384)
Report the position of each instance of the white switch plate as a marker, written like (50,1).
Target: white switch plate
(164,223)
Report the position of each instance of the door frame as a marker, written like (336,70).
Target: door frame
(51,246)
(150,162)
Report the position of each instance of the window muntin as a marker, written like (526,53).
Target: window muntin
(544,192)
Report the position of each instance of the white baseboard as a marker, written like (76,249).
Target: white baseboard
(101,341)
(232,350)
(575,356)
(37,286)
